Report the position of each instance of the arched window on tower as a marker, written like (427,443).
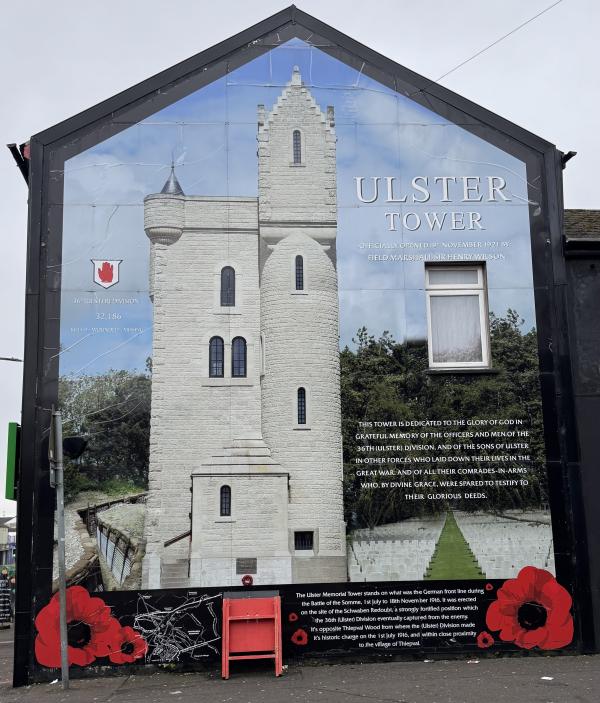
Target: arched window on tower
(216,365)
(225,501)
(238,357)
(301,406)
(297,146)
(227,287)
(299,273)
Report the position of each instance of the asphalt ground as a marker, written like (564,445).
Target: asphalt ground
(533,679)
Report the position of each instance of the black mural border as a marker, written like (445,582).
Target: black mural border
(50,149)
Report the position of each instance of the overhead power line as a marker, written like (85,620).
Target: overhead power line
(502,38)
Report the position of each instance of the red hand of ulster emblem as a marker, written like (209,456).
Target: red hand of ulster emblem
(105,274)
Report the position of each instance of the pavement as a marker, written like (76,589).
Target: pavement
(526,679)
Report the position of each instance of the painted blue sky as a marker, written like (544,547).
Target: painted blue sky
(211,136)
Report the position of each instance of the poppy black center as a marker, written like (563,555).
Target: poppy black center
(127,648)
(78,634)
(532,615)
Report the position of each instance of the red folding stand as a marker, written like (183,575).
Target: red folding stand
(251,629)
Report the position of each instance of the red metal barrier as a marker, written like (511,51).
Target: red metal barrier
(251,629)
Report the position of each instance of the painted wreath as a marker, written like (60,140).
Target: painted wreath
(532,610)
(92,632)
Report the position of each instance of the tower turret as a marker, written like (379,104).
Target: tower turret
(163,222)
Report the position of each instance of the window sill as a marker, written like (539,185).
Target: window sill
(225,520)
(226,382)
(297,165)
(298,292)
(226,311)
(463,370)
(304,553)
(301,427)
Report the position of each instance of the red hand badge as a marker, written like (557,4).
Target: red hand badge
(105,274)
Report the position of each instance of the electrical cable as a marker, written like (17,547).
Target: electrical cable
(502,38)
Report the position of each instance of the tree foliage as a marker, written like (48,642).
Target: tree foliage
(111,411)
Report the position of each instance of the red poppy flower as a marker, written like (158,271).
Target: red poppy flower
(132,646)
(91,630)
(532,610)
(484,640)
(489,587)
(292,617)
(300,637)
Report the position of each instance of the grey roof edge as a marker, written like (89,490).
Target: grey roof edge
(290,15)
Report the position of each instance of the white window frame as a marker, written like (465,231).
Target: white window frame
(454,289)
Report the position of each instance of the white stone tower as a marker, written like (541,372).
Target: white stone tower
(245,449)
(301,415)
(197,414)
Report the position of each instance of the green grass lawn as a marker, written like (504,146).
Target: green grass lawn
(453,558)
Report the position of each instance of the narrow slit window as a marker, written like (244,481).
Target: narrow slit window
(227,287)
(302,406)
(299,272)
(457,317)
(216,366)
(304,541)
(297,146)
(225,502)
(238,357)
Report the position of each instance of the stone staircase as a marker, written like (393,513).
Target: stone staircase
(250,455)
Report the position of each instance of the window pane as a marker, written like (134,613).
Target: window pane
(303,540)
(297,147)
(225,501)
(238,357)
(227,287)
(216,354)
(301,406)
(299,273)
(457,276)
(455,328)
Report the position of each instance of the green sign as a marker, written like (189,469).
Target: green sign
(12,460)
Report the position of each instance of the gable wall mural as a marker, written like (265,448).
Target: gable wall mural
(300,329)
